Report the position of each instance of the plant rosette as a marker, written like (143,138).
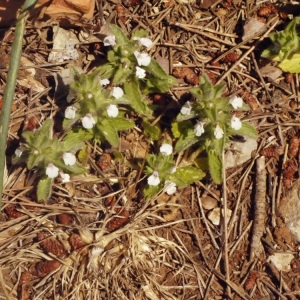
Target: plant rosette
(53,157)
(208,122)
(96,110)
(131,67)
(163,175)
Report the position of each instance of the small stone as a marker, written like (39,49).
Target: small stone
(209,202)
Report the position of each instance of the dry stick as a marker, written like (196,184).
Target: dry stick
(247,52)
(278,276)
(241,44)
(259,207)
(264,84)
(240,291)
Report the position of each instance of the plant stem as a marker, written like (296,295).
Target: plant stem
(11,81)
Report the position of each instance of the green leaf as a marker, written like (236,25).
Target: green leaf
(153,131)
(140,33)
(109,132)
(120,123)
(155,68)
(41,136)
(44,189)
(186,175)
(83,155)
(246,129)
(118,33)
(35,160)
(121,75)
(215,166)
(291,65)
(286,47)
(150,191)
(186,140)
(133,93)
(74,141)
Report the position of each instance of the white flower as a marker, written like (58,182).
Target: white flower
(170,187)
(19,152)
(65,177)
(140,73)
(199,128)
(173,170)
(52,171)
(236,102)
(218,132)
(69,159)
(186,108)
(143,59)
(166,149)
(88,121)
(112,110)
(153,179)
(89,95)
(236,123)
(109,40)
(144,41)
(104,82)
(70,112)
(117,92)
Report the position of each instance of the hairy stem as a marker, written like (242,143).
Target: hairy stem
(11,81)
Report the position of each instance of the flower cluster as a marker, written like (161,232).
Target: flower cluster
(52,171)
(153,180)
(209,120)
(142,58)
(235,122)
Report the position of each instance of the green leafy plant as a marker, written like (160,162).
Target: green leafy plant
(130,66)
(50,155)
(286,47)
(205,124)
(97,110)
(164,175)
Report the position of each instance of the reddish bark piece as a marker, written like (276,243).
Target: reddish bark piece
(187,74)
(227,3)
(44,268)
(65,219)
(76,241)
(119,220)
(250,100)
(122,13)
(51,245)
(267,10)
(289,169)
(12,212)
(289,77)
(25,277)
(294,146)
(104,161)
(131,2)
(272,151)
(110,201)
(231,57)
(24,289)
(32,123)
(251,280)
